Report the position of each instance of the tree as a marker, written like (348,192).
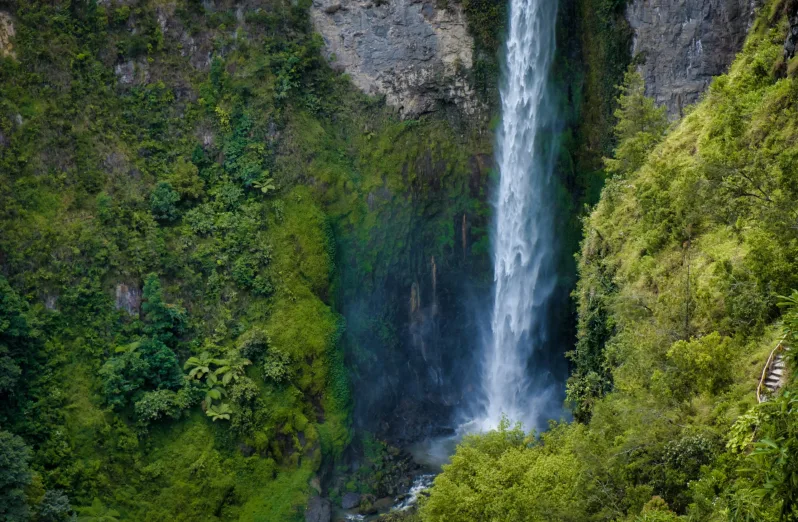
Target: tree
(164,321)
(772,466)
(656,510)
(790,320)
(122,376)
(163,369)
(163,202)
(54,507)
(18,345)
(147,365)
(704,364)
(185,179)
(506,475)
(15,475)
(641,126)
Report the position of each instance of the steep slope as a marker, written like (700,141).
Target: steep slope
(681,46)
(191,201)
(683,264)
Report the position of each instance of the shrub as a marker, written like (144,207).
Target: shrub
(705,364)
(15,475)
(641,125)
(185,179)
(163,202)
(163,370)
(277,366)
(147,365)
(158,404)
(122,376)
(253,343)
(163,321)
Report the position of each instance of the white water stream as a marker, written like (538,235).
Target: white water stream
(523,242)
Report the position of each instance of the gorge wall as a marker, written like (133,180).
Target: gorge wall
(682,44)
(413,52)
(411,266)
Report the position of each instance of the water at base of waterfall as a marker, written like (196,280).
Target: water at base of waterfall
(404,502)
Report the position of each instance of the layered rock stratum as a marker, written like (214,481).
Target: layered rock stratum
(412,52)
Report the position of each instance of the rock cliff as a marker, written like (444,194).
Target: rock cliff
(6,34)
(682,44)
(414,53)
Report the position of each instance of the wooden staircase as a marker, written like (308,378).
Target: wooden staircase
(774,375)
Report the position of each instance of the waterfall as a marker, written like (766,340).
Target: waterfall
(524,240)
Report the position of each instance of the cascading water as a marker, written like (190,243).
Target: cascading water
(524,239)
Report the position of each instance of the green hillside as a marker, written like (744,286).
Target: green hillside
(685,268)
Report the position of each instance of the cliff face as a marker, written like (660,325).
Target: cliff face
(412,52)
(683,44)
(6,34)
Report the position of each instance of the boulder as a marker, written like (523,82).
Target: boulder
(350,500)
(318,510)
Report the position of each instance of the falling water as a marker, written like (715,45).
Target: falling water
(524,243)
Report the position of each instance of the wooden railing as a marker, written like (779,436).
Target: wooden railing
(766,370)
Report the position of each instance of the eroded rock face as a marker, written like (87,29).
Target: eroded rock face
(410,51)
(7,32)
(318,510)
(791,42)
(685,43)
(132,73)
(128,298)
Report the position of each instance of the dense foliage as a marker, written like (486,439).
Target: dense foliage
(189,195)
(685,265)
(179,183)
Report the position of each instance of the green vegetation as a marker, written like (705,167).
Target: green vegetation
(179,189)
(605,39)
(189,196)
(683,268)
(486,21)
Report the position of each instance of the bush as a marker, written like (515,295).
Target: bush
(158,404)
(15,475)
(163,202)
(277,366)
(253,344)
(185,179)
(705,364)
(641,125)
(122,376)
(146,365)
(54,507)
(165,322)
(504,475)
(163,369)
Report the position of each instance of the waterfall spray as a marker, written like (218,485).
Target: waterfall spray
(524,243)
